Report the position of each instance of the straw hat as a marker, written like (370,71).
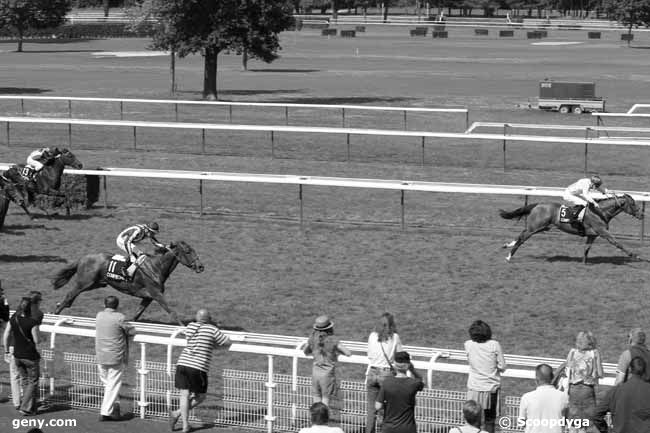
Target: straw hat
(323,323)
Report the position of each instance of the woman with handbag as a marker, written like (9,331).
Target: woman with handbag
(24,331)
(383,343)
(583,369)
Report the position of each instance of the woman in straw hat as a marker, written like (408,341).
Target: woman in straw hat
(325,348)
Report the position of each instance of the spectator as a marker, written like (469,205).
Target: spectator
(320,416)
(4,306)
(486,363)
(636,347)
(545,403)
(473,413)
(397,397)
(583,367)
(14,376)
(193,365)
(383,343)
(36,298)
(24,331)
(628,402)
(9,359)
(111,347)
(325,348)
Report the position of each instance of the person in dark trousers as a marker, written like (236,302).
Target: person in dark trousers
(23,329)
(397,397)
(636,347)
(628,402)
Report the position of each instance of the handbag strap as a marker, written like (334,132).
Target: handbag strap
(20,329)
(390,364)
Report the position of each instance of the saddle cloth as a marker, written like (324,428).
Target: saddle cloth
(567,214)
(116,269)
(26,172)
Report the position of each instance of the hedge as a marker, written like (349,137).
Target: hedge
(84,30)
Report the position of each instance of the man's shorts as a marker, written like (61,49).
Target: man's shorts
(191,378)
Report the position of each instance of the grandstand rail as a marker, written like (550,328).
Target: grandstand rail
(177,102)
(304,180)
(348,132)
(429,359)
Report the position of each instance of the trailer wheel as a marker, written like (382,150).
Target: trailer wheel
(577,109)
(564,109)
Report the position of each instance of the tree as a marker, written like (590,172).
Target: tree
(23,15)
(629,12)
(209,27)
(141,15)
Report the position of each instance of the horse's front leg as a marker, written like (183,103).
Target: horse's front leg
(143,305)
(605,234)
(590,240)
(157,295)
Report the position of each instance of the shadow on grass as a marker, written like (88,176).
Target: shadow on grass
(21,90)
(344,100)
(596,260)
(58,51)
(46,40)
(285,71)
(31,258)
(30,227)
(242,92)
(73,217)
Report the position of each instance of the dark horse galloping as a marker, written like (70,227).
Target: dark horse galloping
(147,284)
(47,181)
(542,215)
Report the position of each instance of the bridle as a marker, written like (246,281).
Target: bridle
(189,265)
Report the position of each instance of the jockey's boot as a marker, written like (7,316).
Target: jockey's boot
(130,271)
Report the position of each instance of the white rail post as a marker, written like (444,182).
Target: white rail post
(505,132)
(302,226)
(294,384)
(143,380)
(269,397)
(643,222)
(401,201)
(170,347)
(586,147)
(430,368)
(52,347)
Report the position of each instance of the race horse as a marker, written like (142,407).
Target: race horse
(48,180)
(148,282)
(541,216)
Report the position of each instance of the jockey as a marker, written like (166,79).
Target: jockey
(580,194)
(39,157)
(127,239)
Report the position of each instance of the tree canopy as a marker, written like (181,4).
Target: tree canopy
(210,27)
(23,15)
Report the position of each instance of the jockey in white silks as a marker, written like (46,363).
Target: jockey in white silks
(39,156)
(581,193)
(128,239)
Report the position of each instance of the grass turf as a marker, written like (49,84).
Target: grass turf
(264,275)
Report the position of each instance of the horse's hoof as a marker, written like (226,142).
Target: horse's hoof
(508,258)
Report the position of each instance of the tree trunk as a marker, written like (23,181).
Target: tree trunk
(244,60)
(106,7)
(210,74)
(386,12)
(20,40)
(172,71)
(335,13)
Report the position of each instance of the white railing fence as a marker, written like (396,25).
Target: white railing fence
(176,103)
(274,130)
(302,182)
(256,399)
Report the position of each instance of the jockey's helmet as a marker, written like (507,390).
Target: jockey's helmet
(153,227)
(596,180)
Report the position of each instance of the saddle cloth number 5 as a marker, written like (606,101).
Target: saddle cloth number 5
(563,212)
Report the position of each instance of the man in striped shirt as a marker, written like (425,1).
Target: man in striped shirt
(192,367)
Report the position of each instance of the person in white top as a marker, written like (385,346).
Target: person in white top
(320,416)
(540,411)
(472,412)
(581,193)
(383,343)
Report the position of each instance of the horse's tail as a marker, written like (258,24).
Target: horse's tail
(62,277)
(517,213)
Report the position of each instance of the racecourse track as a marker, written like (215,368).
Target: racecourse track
(352,261)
